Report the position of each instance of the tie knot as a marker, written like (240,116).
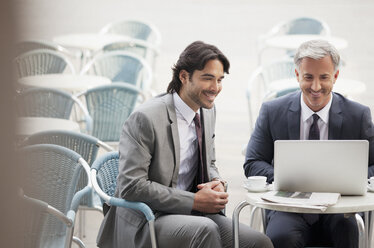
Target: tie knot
(196,120)
(315,117)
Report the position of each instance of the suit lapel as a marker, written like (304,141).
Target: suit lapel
(335,118)
(294,118)
(175,135)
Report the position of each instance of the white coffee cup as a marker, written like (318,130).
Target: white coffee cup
(371,183)
(257,182)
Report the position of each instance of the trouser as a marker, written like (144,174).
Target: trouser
(211,230)
(291,230)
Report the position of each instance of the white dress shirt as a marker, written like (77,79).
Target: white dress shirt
(306,120)
(188,143)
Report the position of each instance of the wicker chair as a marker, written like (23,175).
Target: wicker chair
(258,84)
(85,145)
(48,102)
(134,29)
(42,61)
(104,173)
(121,66)
(50,174)
(109,107)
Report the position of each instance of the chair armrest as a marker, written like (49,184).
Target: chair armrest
(144,208)
(86,190)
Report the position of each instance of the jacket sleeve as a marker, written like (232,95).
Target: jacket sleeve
(260,148)
(368,134)
(137,146)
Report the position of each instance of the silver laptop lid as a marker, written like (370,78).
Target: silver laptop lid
(321,166)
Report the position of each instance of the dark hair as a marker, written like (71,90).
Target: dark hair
(195,57)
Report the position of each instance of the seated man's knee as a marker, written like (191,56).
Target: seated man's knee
(286,239)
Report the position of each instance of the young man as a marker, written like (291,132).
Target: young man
(314,113)
(167,160)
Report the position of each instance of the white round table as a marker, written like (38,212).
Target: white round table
(345,205)
(344,86)
(68,82)
(292,42)
(88,41)
(26,126)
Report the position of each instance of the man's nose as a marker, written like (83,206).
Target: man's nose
(316,85)
(215,85)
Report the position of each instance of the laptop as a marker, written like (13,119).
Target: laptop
(337,166)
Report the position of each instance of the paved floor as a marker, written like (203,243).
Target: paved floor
(231,25)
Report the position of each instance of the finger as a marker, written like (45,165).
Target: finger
(222,195)
(200,186)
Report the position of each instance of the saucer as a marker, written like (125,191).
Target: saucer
(370,189)
(262,189)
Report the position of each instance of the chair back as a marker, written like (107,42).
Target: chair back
(258,84)
(277,70)
(30,45)
(50,174)
(34,219)
(121,66)
(85,145)
(44,102)
(306,25)
(134,29)
(109,107)
(137,47)
(41,61)
(107,172)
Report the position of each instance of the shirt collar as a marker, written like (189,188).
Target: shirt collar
(187,113)
(323,114)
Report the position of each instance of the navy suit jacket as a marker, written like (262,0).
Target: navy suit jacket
(279,119)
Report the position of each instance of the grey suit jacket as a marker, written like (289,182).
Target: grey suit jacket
(148,171)
(280,120)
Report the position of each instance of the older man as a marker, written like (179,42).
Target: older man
(314,113)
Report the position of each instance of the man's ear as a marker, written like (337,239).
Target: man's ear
(183,76)
(297,75)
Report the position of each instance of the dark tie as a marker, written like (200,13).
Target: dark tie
(314,130)
(313,135)
(201,172)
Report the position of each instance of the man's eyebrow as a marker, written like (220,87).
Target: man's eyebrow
(210,75)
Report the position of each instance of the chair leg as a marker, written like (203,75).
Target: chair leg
(361,232)
(235,222)
(152,233)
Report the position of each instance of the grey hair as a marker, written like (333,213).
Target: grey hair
(317,49)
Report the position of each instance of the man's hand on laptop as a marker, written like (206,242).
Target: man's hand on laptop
(208,199)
